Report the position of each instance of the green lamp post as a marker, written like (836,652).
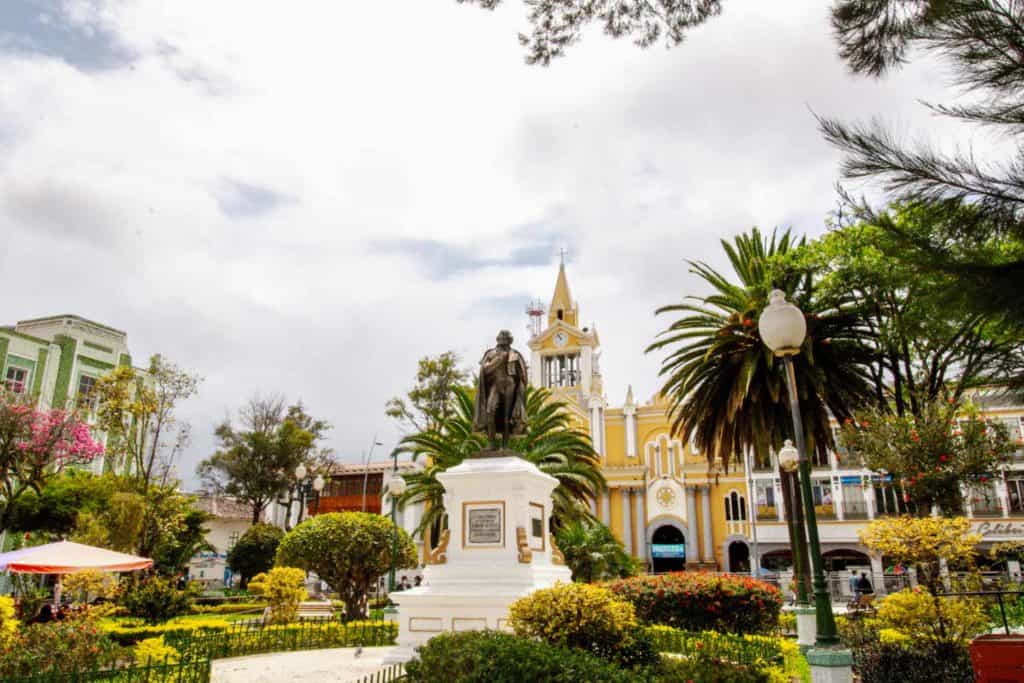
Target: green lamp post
(783,329)
(396,487)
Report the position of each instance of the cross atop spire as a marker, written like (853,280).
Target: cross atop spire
(561,257)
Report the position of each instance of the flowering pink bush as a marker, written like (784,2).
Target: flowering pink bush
(35,444)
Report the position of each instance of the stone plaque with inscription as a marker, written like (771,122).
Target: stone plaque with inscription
(484,526)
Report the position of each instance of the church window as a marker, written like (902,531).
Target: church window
(735,508)
(561,314)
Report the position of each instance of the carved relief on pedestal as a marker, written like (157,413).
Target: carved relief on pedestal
(439,555)
(523,542)
(556,555)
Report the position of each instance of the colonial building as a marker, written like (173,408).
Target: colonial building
(229,519)
(672,511)
(59,359)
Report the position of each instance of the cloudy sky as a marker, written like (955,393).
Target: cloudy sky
(306,197)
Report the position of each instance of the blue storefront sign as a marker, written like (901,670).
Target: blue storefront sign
(668,550)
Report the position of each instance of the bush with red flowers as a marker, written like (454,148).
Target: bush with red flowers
(699,601)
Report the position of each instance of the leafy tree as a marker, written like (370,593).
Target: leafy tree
(976,232)
(431,399)
(136,410)
(593,553)
(557,24)
(256,463)
(254,552)
(924,344)
(550,442)
(931,455)
(348,550)
(36,445)
(56,507)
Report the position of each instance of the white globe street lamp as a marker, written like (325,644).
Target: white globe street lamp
(782,325)
(789,457)
(396,485)
(318,483)
(300,472)
(783,328)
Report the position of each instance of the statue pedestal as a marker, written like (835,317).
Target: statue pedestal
(498,551)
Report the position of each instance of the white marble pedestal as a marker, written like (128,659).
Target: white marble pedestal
(498,551)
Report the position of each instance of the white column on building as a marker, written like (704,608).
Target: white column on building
(837,498)
(877,575)
(596,432)
(627,522)
(586,369)
(640,522)
(707,551)
(869,496)
(629,412)
(593,505)
(536,369)
(691,524)
(606,507)
(1003,494)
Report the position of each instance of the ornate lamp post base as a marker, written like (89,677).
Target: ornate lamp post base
(806,627)
(830,665)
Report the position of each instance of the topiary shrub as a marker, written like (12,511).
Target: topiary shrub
(583,616)
(697,601)
(494,657)
(284,588)
(253,553)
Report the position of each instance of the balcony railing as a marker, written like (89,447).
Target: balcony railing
(827,511)
(986,508)
(767,512)
(855,509)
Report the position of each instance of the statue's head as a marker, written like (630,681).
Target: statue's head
(504,338)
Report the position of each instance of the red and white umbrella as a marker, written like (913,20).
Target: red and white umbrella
(65,557)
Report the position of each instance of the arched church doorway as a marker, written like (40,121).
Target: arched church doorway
(739,557)
(668,549)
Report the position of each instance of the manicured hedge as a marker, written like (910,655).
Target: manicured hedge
(494,657)
(230,608)
(249,639)
(699,601)
(131,633)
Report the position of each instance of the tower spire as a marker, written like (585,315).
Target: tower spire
(562,306)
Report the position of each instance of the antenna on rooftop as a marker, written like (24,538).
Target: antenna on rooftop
(535,310)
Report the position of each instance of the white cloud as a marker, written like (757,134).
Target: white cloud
(385,122)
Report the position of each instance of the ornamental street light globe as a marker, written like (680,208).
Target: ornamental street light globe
(789,458)
(300,472)
(782,325)
(318,484)
(396,486)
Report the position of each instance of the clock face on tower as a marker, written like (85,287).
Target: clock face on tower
(561,339)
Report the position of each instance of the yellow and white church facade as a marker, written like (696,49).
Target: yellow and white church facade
(672,511)
(662,502)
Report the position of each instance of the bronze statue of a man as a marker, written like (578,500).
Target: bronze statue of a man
(501,393)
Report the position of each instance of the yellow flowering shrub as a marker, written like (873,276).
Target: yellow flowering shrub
(891,636)
(584,616)
(284,588)
(560,614)
(917,615)
(922,542)
(8,622)
(87,585)
(155,651)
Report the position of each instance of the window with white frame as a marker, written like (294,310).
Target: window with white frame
(764,494)
(86,392)
(16,380)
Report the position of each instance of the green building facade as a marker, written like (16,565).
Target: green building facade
(58,359)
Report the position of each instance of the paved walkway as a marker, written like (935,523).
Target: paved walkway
(331,666)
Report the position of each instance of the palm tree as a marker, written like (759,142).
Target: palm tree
(550,442)
(725,388)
